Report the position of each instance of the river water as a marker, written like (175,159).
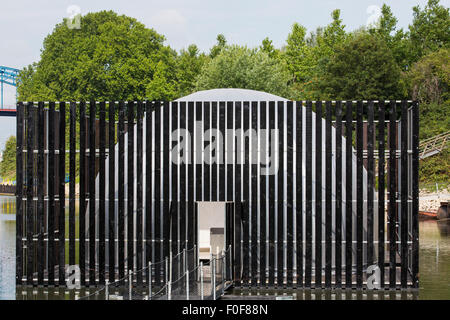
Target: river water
(434,256)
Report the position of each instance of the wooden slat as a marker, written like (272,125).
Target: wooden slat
(246,195)
(370,182)
(121,191)
(415,194)
(289,194)
(139,190)
(148,180)
(404,195)
(338,196)
(92,220)
(30,203)
(272,155)
(299,192)
(130,186)
(102,186)
(40,193)
(254,196)
(191,225)
(318,197)
(381,190)
(280,196)
(348,194)
(72,146)
(308,203)
(166,181)
(359,194)
(82,203)
(157,184)
(19,192)
(392,193)
(112,222)
(263,194)
(62,190)
(237,196)
(328,196)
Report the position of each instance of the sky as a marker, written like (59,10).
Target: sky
(25,23)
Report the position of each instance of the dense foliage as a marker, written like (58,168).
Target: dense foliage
(8,163)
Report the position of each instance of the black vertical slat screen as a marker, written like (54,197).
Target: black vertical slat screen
(191,225)
(328,198)
(175,203)
(299,194)
(260,213)
(370,182)
(392,193)
(254,198)
(19,192)
(359,194)
(237,189)
(404,194)
(348,194)
(271,210)
(280,195)
(308,202)
(246,192)
(262,195)
(381,190)
(62,190)
(318,197)
(139,190)
(157,191)
(72,147)
(214,170)
(121,191)
(29,185)
(289,194)
(415,194)
(82,204)
(92,154)
(182,191)
(130,186)
(112,222)
(148,180)
(102,185)
(40,191)
(338,196)
(166,180)
(222,160)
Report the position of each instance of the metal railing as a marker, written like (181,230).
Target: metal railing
(434,145)
(185,279)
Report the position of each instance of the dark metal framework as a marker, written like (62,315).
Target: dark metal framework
(303,226)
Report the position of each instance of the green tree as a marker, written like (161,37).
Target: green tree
(268,47)
(430,29)
(362,67)
(429,78)
(241,67)
(307,57)
(397,40)
(217,48)
(8,163)
(189,65)
(109,57)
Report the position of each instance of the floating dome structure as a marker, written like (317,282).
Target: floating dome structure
(252,95)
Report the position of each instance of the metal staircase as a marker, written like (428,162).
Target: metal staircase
(434,145)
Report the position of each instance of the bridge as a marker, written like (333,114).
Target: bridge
(8,76)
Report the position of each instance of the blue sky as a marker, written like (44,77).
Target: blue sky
(25,23)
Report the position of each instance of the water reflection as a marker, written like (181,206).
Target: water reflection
(7,247)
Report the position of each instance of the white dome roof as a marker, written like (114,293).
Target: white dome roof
(231,95)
